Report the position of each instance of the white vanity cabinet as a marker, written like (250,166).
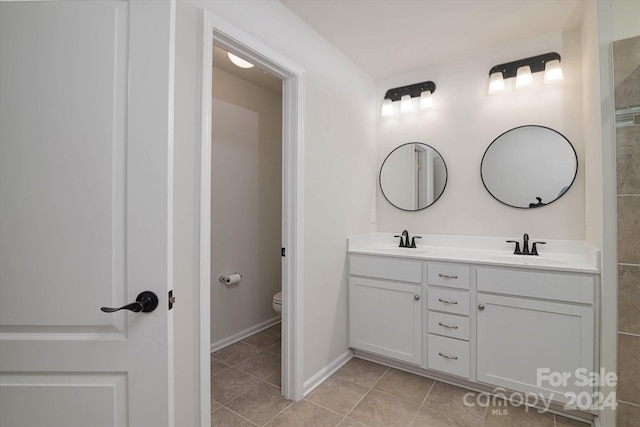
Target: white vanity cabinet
(506,323)
(527,321)
(385,307)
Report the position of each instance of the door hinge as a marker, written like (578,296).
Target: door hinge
(282,252)
(172,299)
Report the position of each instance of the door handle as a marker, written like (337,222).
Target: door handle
(145,302)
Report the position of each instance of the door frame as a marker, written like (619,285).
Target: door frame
(226,36)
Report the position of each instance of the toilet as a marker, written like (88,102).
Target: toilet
(277,302)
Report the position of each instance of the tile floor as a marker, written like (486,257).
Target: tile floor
(245,391)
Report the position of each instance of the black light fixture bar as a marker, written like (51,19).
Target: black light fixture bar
(414,90)
(537,64)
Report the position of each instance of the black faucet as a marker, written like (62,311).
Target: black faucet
(404,240)
(525,246)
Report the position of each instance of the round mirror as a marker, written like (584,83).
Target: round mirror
(529,167)
(413,176)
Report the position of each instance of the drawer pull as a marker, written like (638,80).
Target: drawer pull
(445,276)
(444,325)
(444,301)
(448,357)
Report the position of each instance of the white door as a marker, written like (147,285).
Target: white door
(518,336)
(85,212)
(385,318)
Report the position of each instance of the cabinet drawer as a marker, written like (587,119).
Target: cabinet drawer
(553,286)
(386,268)
(448,355)
(455,276)
(450,301)
(449,325)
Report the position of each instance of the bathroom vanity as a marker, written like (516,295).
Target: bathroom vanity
(465,310)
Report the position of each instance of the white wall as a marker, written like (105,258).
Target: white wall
(246,203)
(462,124)
(340,167)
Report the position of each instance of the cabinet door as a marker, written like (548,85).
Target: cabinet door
(385,318)
(518,337)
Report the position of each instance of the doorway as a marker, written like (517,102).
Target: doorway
(223,35)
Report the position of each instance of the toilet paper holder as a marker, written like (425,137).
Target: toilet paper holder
(230,279)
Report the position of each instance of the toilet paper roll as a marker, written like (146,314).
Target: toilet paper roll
(230,279)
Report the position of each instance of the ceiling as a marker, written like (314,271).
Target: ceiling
(390,37)
(254,75)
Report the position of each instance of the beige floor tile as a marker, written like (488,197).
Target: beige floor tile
(229,384)
(260,404)
(225,418)
(348,422)
(275,379)
(235,353)
(404,385)
(521,416)
(262,365)
(276,348)
(451,400)
(338,394)
(361,371)
(305,413)
(568,422)
(263,339)
(628,415)
(379,409)
(430,417)
(217,366)
(629,368)
(214,405)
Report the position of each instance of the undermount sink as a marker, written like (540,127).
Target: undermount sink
(528,260)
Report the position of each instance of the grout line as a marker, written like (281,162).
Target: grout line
(423,401)
(629,334)
(627,264)
(629,403)
(244,418)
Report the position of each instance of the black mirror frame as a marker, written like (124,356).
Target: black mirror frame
(446,179)
(524,126)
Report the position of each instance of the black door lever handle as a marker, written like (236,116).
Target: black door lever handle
(145,302)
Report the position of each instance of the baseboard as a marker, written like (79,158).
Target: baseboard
(232,339)
(323,374)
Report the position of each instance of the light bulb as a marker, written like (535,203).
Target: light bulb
(496,83)
(553,72)
(387,108)
(426,100)
(406,104)
(523,77)
(239,61)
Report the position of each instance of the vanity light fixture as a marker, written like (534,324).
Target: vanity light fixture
(405,95)
(523,70)
(239,61)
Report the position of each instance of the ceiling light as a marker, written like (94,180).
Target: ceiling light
(496,83)
(524,77)
(239,61)
(553,72)
(405,95)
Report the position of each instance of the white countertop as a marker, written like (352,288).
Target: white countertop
(558,255)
